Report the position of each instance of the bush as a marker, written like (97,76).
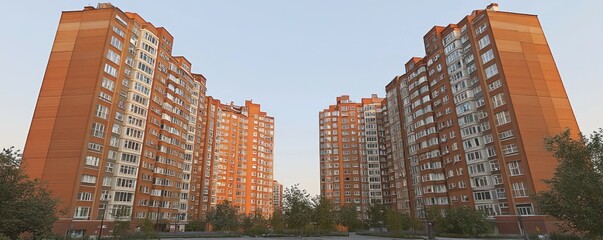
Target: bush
(558,236)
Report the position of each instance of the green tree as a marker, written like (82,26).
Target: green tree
(25,205)
(277,221)
(122,224)
(347,216)
(223,217)
(463,220)
(297,208)
(255,224)
(147,228)
(376,214)
(195,225)
(575,192)
(324,216)
(397,221)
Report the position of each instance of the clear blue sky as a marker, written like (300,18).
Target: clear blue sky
(295,57)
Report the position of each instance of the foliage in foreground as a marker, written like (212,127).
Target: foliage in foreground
(25,205)
(463,220)
(297,208)
(223,217)
(576,189)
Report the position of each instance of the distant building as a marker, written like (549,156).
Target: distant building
(277,194)
(352,152)
(237,155)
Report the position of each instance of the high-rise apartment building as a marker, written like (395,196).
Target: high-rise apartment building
(352,152)
(277,196)
(237,158)
(466,122)
(118,131)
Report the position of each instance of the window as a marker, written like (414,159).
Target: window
(102,111)
(125,183)
(491,71)
(116,129)
(487,56)
(481,29)
(92,161)
(109,167)
(138,110)
(108,84)
(502,118)
(480,181)
(500,193)
(525,209)
(110,70)
(126,157)
(491,152)
(141,88)
(84,196)
(107,181)
(120,20)
(119,116)
(477,168)
(105,195)
(114,57)
(131,132)
(129,170)
(145,68)
(148,48)
(473,156)
(485,41)
(506,134)
(95,147)
(148,59)
(114,141)
(498,100)
(88,179)
(150,38)
(482,195)
(116,43)
(81,212)
(510,149)
(132,145)
(104,96)
(123,197)
(514,168)
(143,78)
(98,130)
(112,155)
(494,85)
(519,190)
(119,31)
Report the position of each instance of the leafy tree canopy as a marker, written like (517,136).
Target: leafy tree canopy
(575,192)
(223,217)
(347,216)
(324,216)
(297,207)
(25,205)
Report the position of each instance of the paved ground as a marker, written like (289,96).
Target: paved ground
(352,236)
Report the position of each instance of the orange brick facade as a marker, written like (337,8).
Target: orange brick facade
(352,152)
(117,129)
(237,158)
(471,117)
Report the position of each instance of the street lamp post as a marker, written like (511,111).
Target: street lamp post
(157,221)
(100,232)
